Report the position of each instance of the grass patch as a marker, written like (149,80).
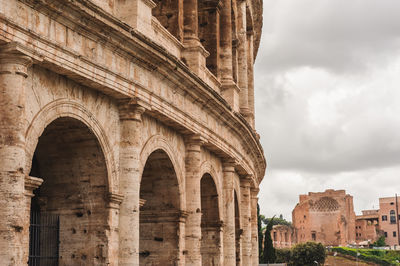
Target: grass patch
(381,257)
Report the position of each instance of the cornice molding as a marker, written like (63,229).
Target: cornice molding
(138,47)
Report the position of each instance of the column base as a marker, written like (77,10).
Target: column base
(230,92)
(194,54)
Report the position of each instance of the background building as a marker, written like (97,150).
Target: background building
(283,236)
(367,227)
(389,220)
(327,217)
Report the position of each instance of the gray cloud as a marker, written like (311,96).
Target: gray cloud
(337,35)
(327,90)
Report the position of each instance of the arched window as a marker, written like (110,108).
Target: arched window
(392,217)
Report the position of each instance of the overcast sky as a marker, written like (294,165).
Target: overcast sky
(328,100)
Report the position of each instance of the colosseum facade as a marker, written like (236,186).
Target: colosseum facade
(127,132)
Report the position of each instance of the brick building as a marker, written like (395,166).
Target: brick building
(127,132)
(283,236)
(367,227)
(327,217)
(389,220)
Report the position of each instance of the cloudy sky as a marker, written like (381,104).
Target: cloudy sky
(328,100)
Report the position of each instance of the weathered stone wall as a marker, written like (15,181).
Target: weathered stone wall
(114,120)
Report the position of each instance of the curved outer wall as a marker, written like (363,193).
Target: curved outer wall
(164,84)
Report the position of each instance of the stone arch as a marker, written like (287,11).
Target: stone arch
(235,41)
(209,22)
(72,109)
(249,19)
(159,142)
(238,222)
(169,14)
(208,168)
(73,196)
(210,221)
(160,215)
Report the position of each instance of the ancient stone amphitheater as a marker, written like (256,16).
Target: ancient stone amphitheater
(127,132)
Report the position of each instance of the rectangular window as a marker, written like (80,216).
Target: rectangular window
(394,233)
(384,217)
(313,236)
(385,233)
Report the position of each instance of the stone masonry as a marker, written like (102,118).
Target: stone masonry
(132,122)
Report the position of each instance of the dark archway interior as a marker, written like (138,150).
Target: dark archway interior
(209,33)
(238,231)
(69,159)
(210,222)
(159,215)
(169,14)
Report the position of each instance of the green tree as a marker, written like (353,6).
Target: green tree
(308,254)
(276,221)
(380,242)
(269,254)
(260,235)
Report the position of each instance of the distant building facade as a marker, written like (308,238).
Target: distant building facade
(283,236)
(367,227)
(327,217)
(389,220)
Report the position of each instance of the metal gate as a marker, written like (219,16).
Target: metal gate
(43,239)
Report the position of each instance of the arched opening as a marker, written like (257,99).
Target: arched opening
(169,14)
(209,34)
(68,214)
(159,212)
(210,222)
(238,231)
(235,42)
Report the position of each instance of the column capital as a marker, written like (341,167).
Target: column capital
(229,165)
(32,183)
(132,109)
(114,200)
(246,180)
(13,60)
(195,139)
(254,192)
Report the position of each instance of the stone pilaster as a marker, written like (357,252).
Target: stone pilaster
(136,13)
(114,201)
(250,77)
(193,53)
(30,184)
(229,214)
(242,58)
(229,89)
(245,207)
(130,147)
(254,226)
(14,229)
(193,200)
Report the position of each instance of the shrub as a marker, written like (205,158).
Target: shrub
(308,253)
(283,255)
(380,242)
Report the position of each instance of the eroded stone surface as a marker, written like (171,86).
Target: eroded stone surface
(133,121)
